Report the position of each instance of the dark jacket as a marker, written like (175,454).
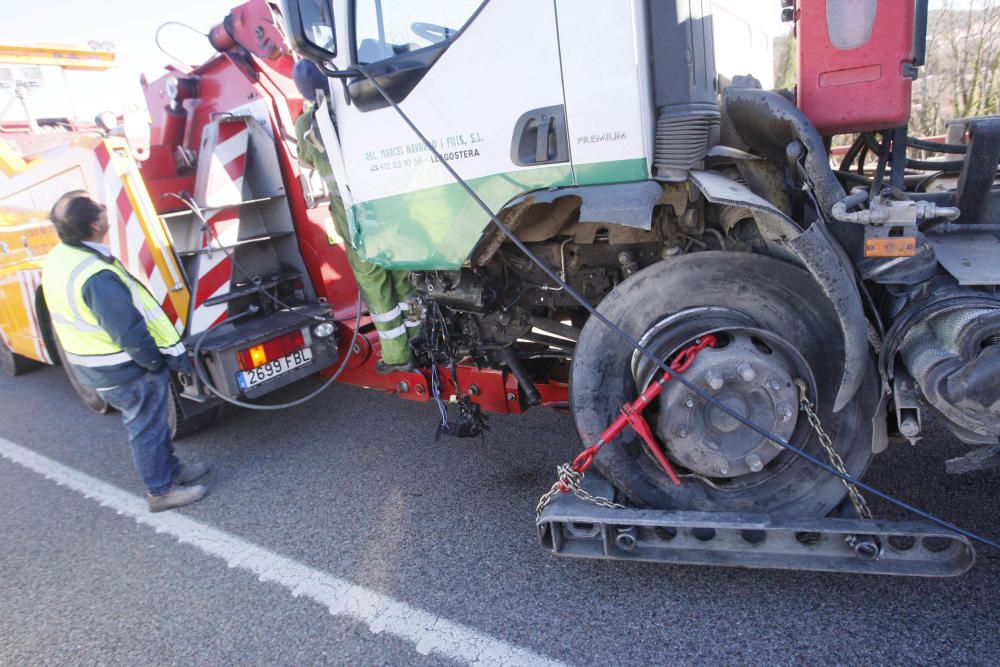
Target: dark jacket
(111,302)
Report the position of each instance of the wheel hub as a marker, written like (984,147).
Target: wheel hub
(751,378)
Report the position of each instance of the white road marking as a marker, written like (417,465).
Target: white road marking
(428,632)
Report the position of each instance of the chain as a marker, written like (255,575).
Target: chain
(570,475)
(858,500)
(571,480)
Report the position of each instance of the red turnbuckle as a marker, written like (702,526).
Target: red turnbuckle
(631,415)
(639,425)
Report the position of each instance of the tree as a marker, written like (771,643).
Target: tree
(962,74)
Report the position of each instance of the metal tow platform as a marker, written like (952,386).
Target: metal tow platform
(569,526)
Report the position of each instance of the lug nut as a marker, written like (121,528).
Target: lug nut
(786,412)
(714,380)
(754,463)
(681,430)
(697,455)
(722,468)
(746,372)
(775,385)
(909,426)
(688,402)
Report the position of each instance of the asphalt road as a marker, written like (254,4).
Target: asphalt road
(353,488)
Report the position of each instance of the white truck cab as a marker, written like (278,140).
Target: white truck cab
(518,96)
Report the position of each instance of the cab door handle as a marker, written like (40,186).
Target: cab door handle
(540,137)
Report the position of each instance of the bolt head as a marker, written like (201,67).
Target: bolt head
(681,430)
(714,380)
(697,455)
(746,372)
(909,427)
(403,387)
(722,467)
(688,402)
(511,396)
(775,385)
(754,463)
(786,412)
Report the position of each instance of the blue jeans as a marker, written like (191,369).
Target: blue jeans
(143,404)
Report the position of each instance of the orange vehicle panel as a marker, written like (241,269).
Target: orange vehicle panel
(103,167)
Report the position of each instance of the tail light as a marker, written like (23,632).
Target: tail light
(276,348)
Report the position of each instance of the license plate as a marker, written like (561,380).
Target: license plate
(273,369)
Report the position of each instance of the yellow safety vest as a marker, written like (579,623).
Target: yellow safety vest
(64,273)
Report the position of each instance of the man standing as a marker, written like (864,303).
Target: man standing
(118,341)
(384,291)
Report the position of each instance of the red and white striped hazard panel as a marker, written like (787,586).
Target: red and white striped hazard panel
(213,270)
(127,237)
(222,163)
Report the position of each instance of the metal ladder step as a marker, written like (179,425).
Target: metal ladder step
(248,289)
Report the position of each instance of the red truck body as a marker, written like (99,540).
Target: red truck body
(855,63)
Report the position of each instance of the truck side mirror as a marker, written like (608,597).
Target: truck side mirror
(310,28)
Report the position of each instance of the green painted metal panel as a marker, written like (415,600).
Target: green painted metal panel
(618,171)
(437,228)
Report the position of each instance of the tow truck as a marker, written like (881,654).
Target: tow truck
(199,271)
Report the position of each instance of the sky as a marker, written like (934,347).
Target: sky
(131,24)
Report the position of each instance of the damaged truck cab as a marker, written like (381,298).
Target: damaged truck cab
(683,205)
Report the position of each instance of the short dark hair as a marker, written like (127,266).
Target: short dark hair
(73,214)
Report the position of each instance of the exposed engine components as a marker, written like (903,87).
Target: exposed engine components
(461,290)
(891,220)
(890,211)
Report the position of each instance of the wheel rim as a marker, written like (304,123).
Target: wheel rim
(738,297)
(751,371)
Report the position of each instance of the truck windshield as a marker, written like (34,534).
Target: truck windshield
(387,28)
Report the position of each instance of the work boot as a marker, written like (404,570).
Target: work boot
(383,368)
(176,496)
(190,472)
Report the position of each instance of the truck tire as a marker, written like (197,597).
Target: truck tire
(182,426)
(13,364)
(768,315)
(88,395)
